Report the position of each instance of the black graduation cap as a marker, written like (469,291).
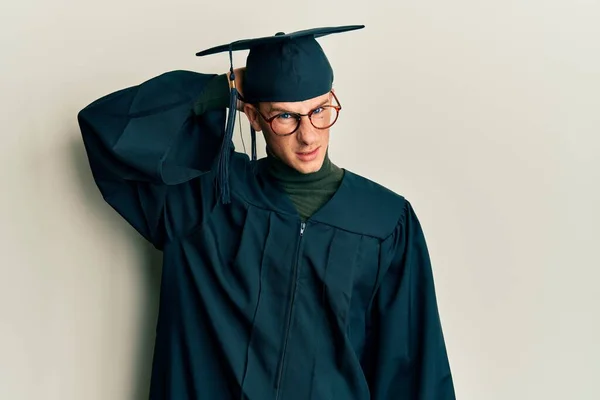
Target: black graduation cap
(284,68)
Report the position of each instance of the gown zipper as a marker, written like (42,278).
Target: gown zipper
(290,309)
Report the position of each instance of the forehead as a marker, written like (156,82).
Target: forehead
(298,106)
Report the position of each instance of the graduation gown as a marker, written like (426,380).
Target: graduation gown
(255,303)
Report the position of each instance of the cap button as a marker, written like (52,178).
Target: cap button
(279,34)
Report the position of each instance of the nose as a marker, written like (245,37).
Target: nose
(306,134)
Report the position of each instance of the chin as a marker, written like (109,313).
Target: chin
(310,167)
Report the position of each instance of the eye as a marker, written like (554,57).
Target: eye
(318,110)
(285,116)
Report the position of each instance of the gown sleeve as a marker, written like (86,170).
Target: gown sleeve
(214,96)
(151,156)
(406,355)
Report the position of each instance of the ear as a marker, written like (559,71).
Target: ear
(253,116)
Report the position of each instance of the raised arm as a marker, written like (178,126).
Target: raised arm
(152,156)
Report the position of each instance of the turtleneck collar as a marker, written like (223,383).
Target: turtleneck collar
(286,175)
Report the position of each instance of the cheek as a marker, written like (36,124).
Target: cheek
(280,145)
(324,139)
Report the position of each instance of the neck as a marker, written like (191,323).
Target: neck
(308,192)
(283,173)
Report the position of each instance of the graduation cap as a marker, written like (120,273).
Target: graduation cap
(281,68)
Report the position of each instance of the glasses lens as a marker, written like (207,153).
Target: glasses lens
(324,117)
(285,123)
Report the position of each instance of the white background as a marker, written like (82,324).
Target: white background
(484,114)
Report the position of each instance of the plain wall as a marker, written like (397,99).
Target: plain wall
(485,115)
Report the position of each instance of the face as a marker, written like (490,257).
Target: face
(303,150)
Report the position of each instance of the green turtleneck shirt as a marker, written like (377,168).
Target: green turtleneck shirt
(308,192)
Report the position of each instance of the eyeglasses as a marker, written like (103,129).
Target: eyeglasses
(286,123)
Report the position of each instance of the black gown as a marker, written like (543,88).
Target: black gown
(256,304)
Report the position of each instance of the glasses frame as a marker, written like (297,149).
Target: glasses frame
(299,116)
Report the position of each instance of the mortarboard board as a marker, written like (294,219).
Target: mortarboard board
(284,68)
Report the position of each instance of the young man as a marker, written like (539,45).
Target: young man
(286,277)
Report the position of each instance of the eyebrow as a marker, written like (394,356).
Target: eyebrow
(279,109)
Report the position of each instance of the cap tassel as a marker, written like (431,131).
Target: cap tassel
(227,143)
(253,136)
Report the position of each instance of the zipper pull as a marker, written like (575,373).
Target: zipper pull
(302,228)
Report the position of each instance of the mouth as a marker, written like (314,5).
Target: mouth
(308,155)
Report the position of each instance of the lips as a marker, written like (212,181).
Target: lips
(308,156)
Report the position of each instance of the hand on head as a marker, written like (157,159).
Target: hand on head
(239,84)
